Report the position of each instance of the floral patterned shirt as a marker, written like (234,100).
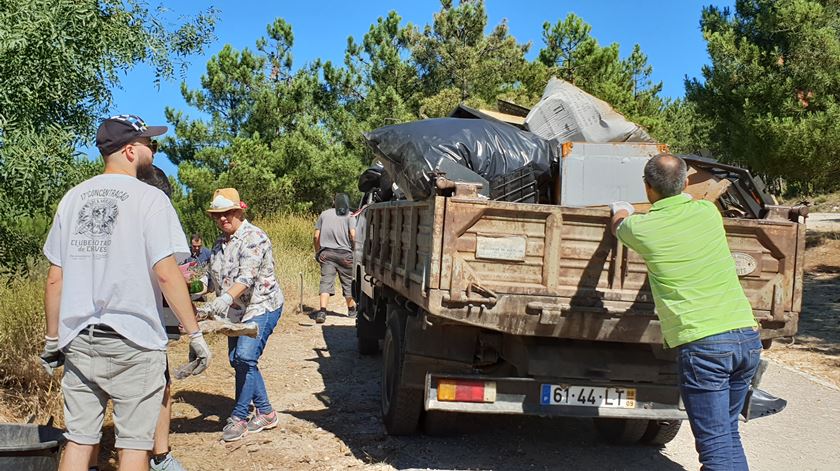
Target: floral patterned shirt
(246,258)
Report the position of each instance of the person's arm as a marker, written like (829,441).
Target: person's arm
(52,299)
(316,240)
(617,219)
(51,357)
(620,211)
(174,289)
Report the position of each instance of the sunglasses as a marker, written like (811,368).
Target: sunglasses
(152,145)
(226,214)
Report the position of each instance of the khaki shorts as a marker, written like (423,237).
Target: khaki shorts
(98,368)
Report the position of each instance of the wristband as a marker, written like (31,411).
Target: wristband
(52,339)
(196,334)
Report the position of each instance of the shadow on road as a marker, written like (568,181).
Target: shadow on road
(214,409)
(488,442)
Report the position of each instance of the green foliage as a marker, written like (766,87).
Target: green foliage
(684,129)
(59,62)
(771,91)
(36,169)
(457,61)
(60,59)
(264,136)
(571,53)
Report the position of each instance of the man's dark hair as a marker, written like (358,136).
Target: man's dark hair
(195,237)
(157,179)
(666,174)
(342,204)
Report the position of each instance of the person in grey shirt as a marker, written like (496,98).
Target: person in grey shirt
(335,232)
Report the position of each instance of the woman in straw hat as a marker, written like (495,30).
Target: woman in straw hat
(241,272)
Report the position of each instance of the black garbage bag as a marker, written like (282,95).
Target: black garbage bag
(371,178)
(378,183)
(411,151)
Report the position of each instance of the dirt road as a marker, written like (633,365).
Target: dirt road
(329,399)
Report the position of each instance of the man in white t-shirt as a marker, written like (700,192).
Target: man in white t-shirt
(112,249)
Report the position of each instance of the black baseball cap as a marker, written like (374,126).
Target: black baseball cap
(120,130)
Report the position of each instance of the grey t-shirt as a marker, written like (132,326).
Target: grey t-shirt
(335,230)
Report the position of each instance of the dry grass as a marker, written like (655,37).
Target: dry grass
(823,203)
(291,238)
(27,390)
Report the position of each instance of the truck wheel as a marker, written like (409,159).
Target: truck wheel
(401,406)
(367,340)
(621,431)
(660,432)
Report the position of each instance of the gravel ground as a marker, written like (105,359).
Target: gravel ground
(329,399)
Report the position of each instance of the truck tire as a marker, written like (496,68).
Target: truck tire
(621,431)
(401,406)
(366,338)
(660,432)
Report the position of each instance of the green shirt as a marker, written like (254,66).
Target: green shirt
(691,271)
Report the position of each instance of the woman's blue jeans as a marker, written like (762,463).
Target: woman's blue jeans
(715,375)
(244,354)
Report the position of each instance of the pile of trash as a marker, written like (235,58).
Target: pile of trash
(509,162)
(555,153)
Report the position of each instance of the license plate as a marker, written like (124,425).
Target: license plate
(587,396)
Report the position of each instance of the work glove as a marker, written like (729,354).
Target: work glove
(619,205)
(51,357)
(199,353)
(219,307)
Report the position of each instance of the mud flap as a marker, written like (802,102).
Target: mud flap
(760,403)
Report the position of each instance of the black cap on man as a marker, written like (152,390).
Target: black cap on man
(118,131)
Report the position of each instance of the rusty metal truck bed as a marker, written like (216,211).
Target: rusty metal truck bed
(549,271)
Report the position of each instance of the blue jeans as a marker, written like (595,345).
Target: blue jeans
(244,353)
(715,375)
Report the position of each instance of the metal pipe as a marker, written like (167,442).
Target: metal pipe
(300,306)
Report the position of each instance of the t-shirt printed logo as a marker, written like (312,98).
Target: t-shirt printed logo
(95,223)
(97,218)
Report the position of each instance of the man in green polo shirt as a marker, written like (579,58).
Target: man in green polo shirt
(701,306)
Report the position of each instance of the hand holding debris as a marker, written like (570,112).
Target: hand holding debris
(622,205)
(51,357)
(199,352)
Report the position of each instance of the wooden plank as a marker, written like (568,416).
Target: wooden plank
(411,250)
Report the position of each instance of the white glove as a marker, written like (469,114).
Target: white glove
(619,205)
(51,357)
(220,306)
(199,353)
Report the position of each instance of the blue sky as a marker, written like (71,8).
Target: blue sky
(667,31)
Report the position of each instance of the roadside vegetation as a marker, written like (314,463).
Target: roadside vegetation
(25,389)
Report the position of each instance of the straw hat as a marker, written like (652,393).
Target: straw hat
(225,199)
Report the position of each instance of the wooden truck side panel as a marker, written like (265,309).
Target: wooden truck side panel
(544,270)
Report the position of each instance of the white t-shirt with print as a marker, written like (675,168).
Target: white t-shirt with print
(107,235)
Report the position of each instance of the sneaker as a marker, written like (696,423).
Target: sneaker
(351,312)
(235,429)
(168,464)
(320,317)
(262,422)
